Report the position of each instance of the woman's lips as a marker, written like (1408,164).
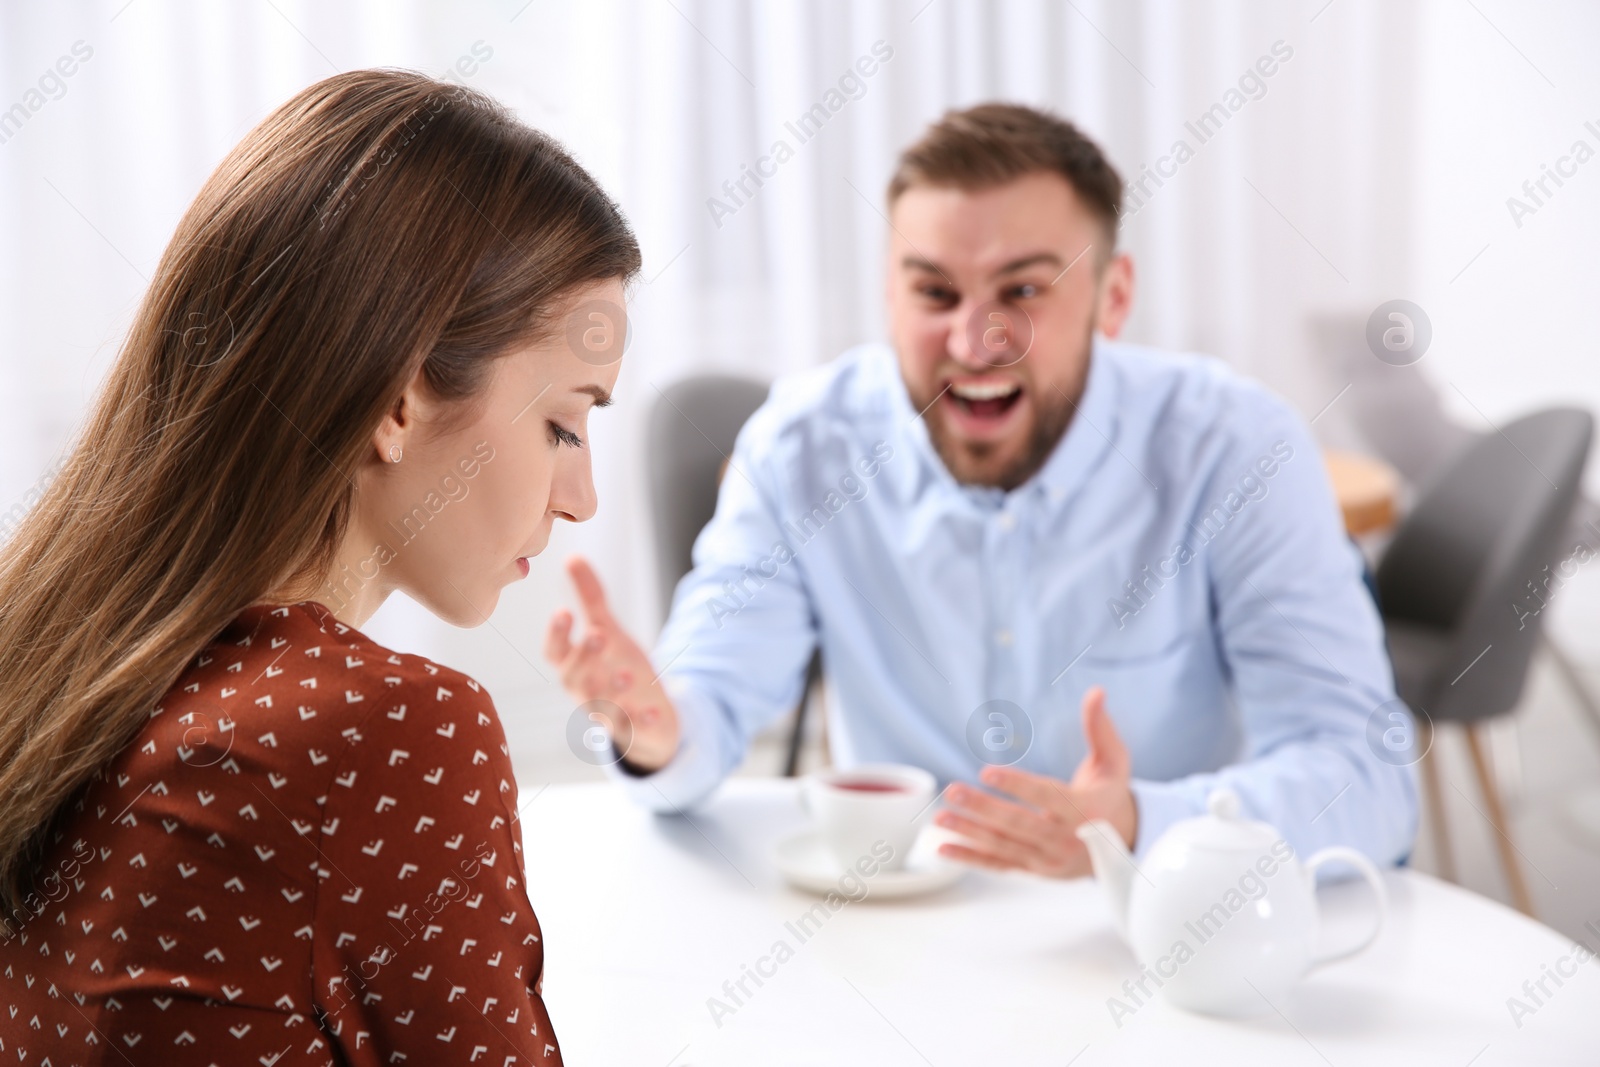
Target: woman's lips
(522,565)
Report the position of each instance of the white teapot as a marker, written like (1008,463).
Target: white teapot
(1221,914)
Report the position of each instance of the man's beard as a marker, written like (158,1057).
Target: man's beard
(970,462)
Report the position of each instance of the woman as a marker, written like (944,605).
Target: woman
(235,829)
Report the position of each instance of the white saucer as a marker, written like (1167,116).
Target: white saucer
(805,863)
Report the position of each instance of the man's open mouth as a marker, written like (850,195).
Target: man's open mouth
(986,399)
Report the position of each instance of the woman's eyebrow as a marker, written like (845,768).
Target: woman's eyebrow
(601,397)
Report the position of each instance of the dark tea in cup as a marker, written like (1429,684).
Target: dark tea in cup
(866,785)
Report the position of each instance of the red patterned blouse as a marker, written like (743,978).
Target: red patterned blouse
(309,854)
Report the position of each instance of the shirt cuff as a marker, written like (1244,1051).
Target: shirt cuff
(694,771)
(1160,805)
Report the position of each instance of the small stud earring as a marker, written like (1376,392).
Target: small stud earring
(394,453)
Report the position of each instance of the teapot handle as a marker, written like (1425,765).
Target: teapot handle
(1374,879)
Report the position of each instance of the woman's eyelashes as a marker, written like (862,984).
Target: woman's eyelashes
(562,436)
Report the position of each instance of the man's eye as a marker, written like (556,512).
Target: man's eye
(1022,292)
(564,436)
(936,295)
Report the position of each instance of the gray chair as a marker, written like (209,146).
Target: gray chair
(690,437)
(1450,581)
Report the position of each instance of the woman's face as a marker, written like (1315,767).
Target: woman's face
(461,513)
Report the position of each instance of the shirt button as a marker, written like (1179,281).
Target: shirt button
(1008,521)
(1002,637)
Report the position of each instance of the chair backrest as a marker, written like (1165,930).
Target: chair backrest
(691,433)
(1462,560)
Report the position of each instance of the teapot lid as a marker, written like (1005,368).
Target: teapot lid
(1223,827)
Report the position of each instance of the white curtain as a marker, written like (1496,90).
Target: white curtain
(1353,173)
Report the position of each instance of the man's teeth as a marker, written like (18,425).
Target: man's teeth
(983,390)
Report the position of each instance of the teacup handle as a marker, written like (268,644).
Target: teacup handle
(1374,879)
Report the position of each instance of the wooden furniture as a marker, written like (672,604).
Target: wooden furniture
(1368,490)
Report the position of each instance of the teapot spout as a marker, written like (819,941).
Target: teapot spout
(1113,864)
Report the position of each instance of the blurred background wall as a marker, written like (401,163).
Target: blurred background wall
(1374,162)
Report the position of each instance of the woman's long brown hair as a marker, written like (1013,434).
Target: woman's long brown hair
(377,223)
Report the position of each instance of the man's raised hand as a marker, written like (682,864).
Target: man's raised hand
(608,665)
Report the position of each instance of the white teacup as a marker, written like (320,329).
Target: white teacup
(861,810)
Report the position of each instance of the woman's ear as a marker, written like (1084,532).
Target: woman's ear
(398,426)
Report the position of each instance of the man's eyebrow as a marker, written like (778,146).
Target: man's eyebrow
(601,397)
(1029,261)
(918,263)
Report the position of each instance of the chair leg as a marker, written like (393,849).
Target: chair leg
(1435,803)
(797,737)
(797,734)
(1497,818)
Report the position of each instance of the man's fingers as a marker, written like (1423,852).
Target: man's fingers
(558,637)
(1014,819)
(986,839)
(963,854)
(590,593)
(1108,756)
(985,848)
(584,671)
(1045,793)
(977,832)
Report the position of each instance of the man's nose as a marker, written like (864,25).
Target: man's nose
(959,341)
(989,335)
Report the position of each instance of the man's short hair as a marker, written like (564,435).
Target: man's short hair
(991,144)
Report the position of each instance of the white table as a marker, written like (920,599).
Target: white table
(645,917)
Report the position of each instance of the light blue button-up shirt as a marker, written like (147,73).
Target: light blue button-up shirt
(1181,547)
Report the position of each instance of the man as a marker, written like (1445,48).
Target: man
(1097,579)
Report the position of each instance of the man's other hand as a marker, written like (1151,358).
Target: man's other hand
(1035,831)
